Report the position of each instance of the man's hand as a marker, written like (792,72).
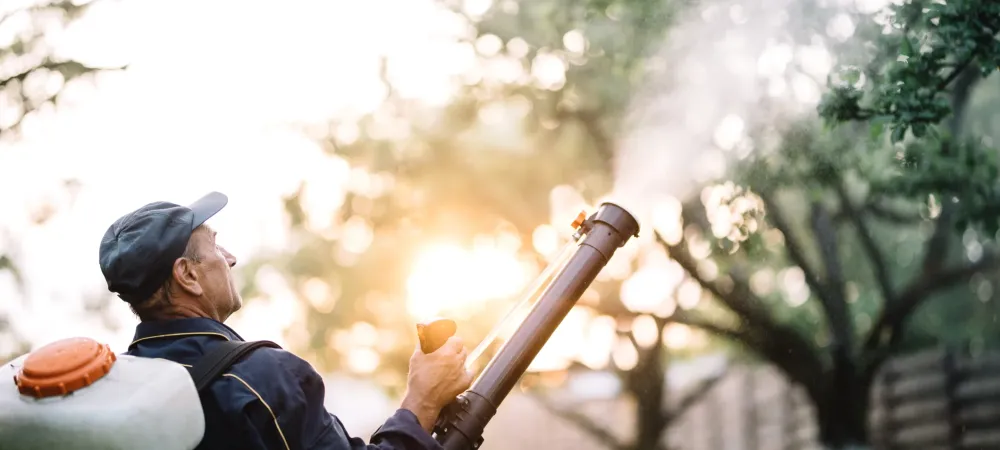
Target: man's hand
(435,379)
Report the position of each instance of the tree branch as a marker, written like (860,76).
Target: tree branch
(71,9)
(868,243)
(583,422)
(794,250)
(931,277)
(590,121)
(884,212)
(69,69)
(738,300)
(703,389)
(919,290)
(784,348)
(836,306)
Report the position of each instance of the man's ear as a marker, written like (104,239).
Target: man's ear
(186,277)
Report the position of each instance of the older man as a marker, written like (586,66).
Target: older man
(165,263)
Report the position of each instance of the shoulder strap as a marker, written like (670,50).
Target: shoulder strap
(220,358)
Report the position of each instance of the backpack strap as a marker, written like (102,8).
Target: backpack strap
(220,358)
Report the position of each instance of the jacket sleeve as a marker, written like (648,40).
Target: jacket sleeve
(290,412)
(401,431)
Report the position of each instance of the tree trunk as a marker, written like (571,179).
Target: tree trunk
(645,383)
(842,414)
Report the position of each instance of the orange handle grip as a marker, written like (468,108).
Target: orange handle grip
(434,333)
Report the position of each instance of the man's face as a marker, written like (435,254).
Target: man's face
(214,272)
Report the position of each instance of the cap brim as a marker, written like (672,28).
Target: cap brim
(206,207)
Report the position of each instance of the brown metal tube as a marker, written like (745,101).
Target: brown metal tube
(461,424)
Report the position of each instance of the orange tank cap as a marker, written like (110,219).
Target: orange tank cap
(64,366)
(580,218)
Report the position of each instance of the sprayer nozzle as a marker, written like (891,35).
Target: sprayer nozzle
(619,218)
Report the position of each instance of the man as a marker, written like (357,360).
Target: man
(165,263)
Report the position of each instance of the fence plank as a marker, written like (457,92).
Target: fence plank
(981,439)
(918,384)
(929,400)
(917,362)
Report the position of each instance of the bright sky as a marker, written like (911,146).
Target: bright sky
(210,97)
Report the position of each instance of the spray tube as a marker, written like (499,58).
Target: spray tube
(460,425)
(528,299)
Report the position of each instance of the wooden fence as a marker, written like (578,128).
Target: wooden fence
(937,400)
(752,408)
(927,400)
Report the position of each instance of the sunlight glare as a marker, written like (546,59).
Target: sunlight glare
(489,44)
(793,284)
(320,295)
(545,240)
(448,277)
(666,219)
(575,42)
(688,294)
(565,344)
(650,287)
(729,132)
(476,8)
(517,47)
(324,191)
(363,360)
(625,355)
(644,330)
(676,336)
(762,282)
(549,71)
(595,351)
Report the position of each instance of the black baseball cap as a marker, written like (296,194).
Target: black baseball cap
(138,250)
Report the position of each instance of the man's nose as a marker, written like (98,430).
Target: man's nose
(229,258)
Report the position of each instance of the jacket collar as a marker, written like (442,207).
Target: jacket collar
(195,326)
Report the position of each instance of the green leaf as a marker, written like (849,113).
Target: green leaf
(907,48)
(898,133)
(876,129)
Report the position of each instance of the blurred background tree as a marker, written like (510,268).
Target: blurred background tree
(32,75)
(893,181)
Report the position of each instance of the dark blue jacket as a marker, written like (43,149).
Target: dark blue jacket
(270,400)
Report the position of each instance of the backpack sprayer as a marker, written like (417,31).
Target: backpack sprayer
(552,295)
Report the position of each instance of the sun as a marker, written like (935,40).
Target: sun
(447,278)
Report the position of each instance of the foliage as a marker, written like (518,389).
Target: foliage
(32,73)
(839,195)
(910,84)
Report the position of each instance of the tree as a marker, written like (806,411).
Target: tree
(32,73)
(839,188)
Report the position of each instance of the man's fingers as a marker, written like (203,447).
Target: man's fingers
(453,345)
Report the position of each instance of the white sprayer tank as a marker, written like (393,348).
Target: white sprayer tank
(77,394)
